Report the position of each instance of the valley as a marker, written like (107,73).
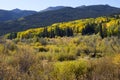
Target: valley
(61,43)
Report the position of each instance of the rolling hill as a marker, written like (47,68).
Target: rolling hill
(6,15)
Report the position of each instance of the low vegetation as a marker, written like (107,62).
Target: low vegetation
(78,57)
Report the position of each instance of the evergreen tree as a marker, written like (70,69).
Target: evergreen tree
(101,31)
(51,33)
(119,31)
(69,32)
(89,29)
(57,31)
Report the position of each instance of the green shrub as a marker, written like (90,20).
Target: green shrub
(70,70)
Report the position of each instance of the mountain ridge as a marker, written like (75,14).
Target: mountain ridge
(6,15)
(53,8)
(47,18)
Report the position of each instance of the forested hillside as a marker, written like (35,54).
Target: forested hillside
(104,26)
(47,18)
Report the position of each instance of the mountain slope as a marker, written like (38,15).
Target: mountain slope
(63,15)
(87,26)
(53,8)
(6,15)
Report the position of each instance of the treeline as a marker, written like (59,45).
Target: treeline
(104,26)
(42,32)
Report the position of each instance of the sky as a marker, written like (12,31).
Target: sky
(42,4)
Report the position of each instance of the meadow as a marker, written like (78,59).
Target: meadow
(77,57)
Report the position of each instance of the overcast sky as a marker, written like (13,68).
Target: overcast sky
(42,4)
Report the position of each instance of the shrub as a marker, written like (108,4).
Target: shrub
(70,70)
(65,57)
(25,58)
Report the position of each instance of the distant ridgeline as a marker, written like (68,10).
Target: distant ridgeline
(51,16)
(105,26)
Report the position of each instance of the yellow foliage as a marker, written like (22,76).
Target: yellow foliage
(116,59)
